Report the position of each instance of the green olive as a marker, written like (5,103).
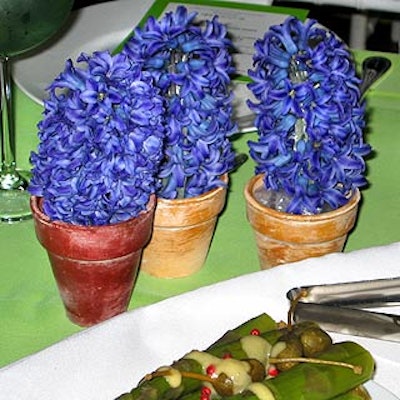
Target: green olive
(314,340)
(223,385)
(257,370)
(293,349)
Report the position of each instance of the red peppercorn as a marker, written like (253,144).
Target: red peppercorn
(255,332)
(227,355)
(210,370)
(205,391)
(273,372)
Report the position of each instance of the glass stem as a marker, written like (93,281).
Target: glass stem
(10,178)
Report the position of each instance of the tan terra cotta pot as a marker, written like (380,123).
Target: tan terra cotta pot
(95,267)
(182,234)
(283,237)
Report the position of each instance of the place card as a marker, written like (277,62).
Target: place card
(245,22)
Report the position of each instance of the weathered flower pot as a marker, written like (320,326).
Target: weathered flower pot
(283,237)
(182,234)
(95,267)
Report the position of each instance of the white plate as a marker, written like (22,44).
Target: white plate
(377,392)
(94,28)
(104,26)
(109,359)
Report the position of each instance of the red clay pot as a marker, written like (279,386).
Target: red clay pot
(95,267)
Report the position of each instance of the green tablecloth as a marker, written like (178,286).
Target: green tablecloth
(31,314)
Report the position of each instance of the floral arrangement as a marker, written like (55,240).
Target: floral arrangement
(309,116)
(101,142)
(192,68)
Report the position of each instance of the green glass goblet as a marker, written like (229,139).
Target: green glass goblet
(24,25)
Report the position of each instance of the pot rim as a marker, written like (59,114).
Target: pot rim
(36,207)
(255,182)
(199,198)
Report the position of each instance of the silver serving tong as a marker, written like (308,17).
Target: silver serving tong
(346,307)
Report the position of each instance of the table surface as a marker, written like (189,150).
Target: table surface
(31,314)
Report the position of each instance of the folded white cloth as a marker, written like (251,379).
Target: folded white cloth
(109,359)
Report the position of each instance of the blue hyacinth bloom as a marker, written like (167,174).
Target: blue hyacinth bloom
(101,142)
(191,66)
(309,116)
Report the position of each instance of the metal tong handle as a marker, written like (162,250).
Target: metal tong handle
(369,293)
(334,307)
(350,321)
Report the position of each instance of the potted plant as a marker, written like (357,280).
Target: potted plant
(94,179)
(309,154)
(191,65)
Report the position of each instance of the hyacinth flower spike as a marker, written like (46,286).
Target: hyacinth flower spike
(191,66)
(101,141)
(309,117)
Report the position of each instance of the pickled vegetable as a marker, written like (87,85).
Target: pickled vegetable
(314,341)
(317,381)
(242,364)
(158,386)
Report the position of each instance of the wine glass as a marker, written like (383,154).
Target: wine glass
(24,25)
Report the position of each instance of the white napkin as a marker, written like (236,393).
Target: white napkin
(109,359)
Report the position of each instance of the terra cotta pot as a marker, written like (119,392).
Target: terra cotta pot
(182,234)
(95,267)
(282,237)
